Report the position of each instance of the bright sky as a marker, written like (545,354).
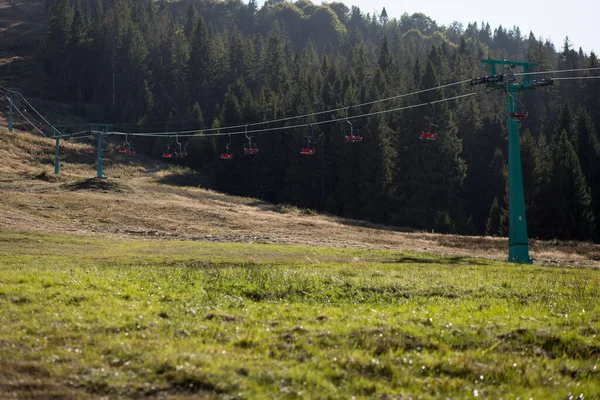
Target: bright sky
(550,19)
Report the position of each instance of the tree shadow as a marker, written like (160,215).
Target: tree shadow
(187,178)
(446,260)
(373,225)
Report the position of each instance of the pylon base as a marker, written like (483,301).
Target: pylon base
(519,253)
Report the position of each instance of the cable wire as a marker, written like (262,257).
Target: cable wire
(32,124)
(190,133)
(306,115)
(36,111)
(559,71)
(283,128)
(185,133)
(575,77)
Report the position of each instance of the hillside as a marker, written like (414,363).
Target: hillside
(138,287)
(203,65)
(147,200)
(23,28)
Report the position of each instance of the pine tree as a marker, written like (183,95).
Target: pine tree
(77,50)
(199,69)
(492,227)
(530,165)
(202,150)
(59,37)
(191,18)
(588,151)
(378,159)
(386,61)
(592,101)
(568,201)
(431,171)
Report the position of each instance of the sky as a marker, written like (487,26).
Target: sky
(550,19)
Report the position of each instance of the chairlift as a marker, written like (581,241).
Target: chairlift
(167,153)
(518,115)
(428,135)
(227,155)
(352,138)
(249,148)
(514,114)
(129,150)
(309,149)
(180,150)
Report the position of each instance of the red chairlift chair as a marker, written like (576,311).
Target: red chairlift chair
(309,150)
(430,116)
(168,153)
(126,148)
(249,148)
(515,114)
(518,115)
(352,138)
(182,153)
(180,150)
(227,155)
(428,136)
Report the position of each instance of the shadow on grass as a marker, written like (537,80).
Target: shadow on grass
(185,178)
(445,260)
(374,225)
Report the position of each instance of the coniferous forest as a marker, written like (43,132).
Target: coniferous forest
(148,66)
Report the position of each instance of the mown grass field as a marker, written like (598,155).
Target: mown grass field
(106,318)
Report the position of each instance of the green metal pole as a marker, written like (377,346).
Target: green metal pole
(99,174)
(56,163)
(518,247)
(10,112)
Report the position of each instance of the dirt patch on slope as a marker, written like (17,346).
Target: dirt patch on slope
(97,184)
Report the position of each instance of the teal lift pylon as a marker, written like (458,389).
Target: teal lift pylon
(518,244)
(99,130)
(62,129)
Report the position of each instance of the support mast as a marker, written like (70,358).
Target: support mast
(518,246)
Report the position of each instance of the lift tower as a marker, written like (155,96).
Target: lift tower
(518,246)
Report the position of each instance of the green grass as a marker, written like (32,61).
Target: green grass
(199,319)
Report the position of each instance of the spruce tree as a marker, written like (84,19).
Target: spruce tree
(530,165)
(191,18)
(59,38)
(199,68)
(78,49)
(568,206)
(492,227)
(588,151)
(378,159)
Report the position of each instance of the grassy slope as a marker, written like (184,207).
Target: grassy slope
(85,317)
(103,312)
(150,202)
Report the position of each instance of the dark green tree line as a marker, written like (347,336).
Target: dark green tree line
(169,66)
